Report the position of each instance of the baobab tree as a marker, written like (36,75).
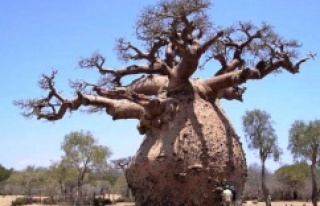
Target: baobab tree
(190,147)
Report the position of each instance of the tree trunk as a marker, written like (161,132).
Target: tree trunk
(314,197)
(264,188)
(187,160)
(79,192)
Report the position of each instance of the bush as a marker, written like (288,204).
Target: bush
(49,201)
(101,202)
(22,201)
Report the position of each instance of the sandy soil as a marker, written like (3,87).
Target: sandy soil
(291,203)
(6,201)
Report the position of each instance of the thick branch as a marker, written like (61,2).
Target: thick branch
(148,85)
(118,109)
(262,69)
(233,93)
(43,109)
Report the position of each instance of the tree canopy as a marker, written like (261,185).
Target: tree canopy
(178,38)
(304,143)
(304,140)
(293,176)
(261,136)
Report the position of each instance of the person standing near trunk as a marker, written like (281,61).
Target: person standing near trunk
(227,196)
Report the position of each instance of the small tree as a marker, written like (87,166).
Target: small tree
(122,164)
(83,154)
(61,176)
(304,143)
(261,136)
(27,179)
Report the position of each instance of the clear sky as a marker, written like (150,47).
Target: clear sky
(37,36)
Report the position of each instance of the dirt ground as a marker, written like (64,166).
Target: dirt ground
(289,203)
(6,201)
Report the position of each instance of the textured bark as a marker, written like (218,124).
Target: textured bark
(187,159)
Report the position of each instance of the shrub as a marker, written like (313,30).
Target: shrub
(22,201)
(49,201)
(101,202)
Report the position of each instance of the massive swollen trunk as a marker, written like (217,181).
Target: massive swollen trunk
(188,159)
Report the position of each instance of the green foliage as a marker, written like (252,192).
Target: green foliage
(82,155)
(304,140)
(294,175)
(4,173)
(304,143)
(28,178)
(81,150)
(121,186)
(260,134)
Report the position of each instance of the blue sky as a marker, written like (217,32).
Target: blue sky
(37,36)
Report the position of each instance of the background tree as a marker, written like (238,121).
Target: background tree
(189,140)
(82,153)
(122,164)
(4,173)
(121,187)
(63,177)
(28,179)
(260,135)
(293,177)
(304,143)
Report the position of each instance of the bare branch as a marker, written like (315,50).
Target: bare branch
(97,61)
(204,47)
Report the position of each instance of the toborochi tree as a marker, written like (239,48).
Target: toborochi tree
(190,147)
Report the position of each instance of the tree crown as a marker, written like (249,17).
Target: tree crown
(260,134)
(304,140)
(178,39)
